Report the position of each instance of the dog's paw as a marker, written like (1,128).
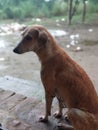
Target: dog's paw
(62,126)
(57,115)
(67,119)
(43,119)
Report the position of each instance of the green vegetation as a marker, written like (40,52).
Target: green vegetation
(20,9)
(89,42)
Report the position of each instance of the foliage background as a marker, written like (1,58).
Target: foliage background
(20,9)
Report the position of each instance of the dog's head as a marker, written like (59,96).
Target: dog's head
(34,38)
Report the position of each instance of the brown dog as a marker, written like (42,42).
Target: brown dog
(62,78)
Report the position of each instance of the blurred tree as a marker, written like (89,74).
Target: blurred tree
(46,8)
(16,2)
(75,7)
(94,1)
(84,11)
(72,9)
(70,2)
(38,3)
(59,8)
(49,3)
(9,13)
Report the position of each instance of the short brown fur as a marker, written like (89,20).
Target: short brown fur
(62,78)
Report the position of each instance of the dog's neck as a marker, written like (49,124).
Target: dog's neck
(48,52)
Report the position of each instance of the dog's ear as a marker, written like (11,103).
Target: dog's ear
(24,31)
(42,39)
(35,34)
(40,36)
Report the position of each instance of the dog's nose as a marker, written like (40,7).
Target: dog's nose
(16,50)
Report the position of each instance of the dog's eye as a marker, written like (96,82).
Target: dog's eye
(28,37)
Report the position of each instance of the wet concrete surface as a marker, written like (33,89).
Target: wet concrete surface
(21,86)
(21,74)
(24,70)
(14,69)
(18,112)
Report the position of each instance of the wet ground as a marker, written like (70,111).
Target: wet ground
(21,73)
(27,66)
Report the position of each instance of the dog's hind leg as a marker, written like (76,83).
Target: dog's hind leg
(59,113)
(82,120)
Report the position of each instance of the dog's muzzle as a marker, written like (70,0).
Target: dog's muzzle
(16,50)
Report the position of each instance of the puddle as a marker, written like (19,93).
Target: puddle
(58,33)
(2,59)
(25,87)
(2,67)
(8,41)
(2,44)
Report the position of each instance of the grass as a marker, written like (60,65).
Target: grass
(90,43)
(91,18)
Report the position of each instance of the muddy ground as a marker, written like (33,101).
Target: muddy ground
(27,66)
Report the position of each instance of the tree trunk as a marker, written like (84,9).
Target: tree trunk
(69,11)
(75,8)
(84,11)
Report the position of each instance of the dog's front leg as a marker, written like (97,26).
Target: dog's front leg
(49,99)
